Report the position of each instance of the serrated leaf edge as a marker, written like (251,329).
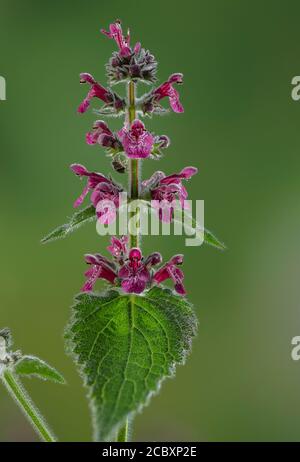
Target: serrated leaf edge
(80,366)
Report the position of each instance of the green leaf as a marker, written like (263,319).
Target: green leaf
(125,345)
(194,227)
(32,366)
(202,233)
(199,231)
(211,239)
(78,219)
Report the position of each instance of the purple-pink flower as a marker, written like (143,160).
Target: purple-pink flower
(105,193)
(130,269)
(98,91)
(101,268)
(171,271)
(115,32)
(135,273)
(118,248)
(166,89)
(102,135)
(128,64)
(127,268)
(137,141)
(165,190)
(100,129)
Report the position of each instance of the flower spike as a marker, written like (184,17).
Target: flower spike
(128,268)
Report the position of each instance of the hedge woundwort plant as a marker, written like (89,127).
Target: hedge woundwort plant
(126,339)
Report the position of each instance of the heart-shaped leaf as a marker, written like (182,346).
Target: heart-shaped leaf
(125,345)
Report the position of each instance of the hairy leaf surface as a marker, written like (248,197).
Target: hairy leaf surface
(211,239)
(125,345)
(78,219)
(33,366)
(191,226)
(88,214)
(206,236)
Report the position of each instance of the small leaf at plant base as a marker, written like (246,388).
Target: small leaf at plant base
(33,366)
(78,219)
(125,345)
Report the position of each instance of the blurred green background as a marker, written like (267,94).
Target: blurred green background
(240,128)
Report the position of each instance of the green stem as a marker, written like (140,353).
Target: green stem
(19,394)
(134,188)
(134,167)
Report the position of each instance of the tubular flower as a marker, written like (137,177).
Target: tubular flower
(135,274)
(102,135)
(129,268)
(115,32)
(152,99)
(171,271)
(105,193)
(118,248)
(97,91)
(101,268)
(137,141)
(164,190)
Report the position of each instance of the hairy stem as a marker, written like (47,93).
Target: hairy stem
(134,188)
(134,167)
(21,397)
